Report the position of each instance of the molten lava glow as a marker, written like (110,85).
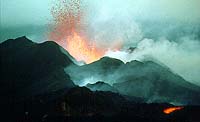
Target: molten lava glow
(171,109)
(70,32)
(82,50)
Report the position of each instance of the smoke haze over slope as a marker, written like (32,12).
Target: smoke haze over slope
(183,57)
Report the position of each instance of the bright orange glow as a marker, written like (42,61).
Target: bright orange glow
(171,109)
(69,31)
(82,50)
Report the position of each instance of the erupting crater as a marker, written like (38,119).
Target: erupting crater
(69,29)
(83,50)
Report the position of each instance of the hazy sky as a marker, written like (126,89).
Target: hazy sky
(25,12)
(22,12)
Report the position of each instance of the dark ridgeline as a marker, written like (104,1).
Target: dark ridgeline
(35,87)
(30,68)
(149,80)
(101,86)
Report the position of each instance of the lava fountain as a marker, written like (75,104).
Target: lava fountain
(69,31)
(82,50)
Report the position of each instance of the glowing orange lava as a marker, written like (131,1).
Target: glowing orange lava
(171,109)
(70,31)
(68,24)
(82,50)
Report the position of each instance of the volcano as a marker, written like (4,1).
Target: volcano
(39,82)
(149,80)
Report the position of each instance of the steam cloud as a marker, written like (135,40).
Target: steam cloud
(168,37)
(183,58)
(145,31)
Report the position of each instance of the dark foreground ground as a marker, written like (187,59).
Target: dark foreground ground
(188,114)
(79,104)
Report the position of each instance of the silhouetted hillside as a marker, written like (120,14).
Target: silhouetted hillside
(155,83)
(147,80)
(28,68)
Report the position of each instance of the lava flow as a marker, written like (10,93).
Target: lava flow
(171,109)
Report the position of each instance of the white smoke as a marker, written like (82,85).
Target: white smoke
(181,57)
(165,34)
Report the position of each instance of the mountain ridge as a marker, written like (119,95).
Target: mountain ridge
(148,80)
(28,65)
(45,65)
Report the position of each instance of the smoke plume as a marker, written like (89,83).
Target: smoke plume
(153,31)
